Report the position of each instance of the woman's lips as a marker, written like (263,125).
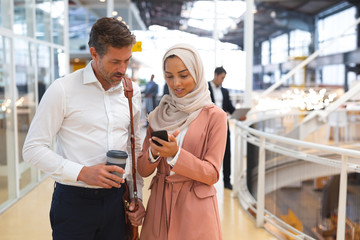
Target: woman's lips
(178,91)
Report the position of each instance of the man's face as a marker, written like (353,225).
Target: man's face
(111,67)
(219,78)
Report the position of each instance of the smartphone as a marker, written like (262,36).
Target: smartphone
(162,134)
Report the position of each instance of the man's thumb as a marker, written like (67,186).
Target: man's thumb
(131,206)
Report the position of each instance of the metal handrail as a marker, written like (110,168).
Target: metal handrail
(262,140)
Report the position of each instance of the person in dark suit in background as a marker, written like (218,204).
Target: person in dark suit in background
(150,92)
(166,89)
(220,96)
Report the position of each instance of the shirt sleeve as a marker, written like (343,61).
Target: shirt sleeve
(172,160)
(37,149)
(151,157)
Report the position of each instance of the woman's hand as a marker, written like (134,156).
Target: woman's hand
(168,149)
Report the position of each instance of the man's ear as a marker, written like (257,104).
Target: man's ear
(93,53)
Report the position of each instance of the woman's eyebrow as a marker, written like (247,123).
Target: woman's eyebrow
(178,71)
(183,70)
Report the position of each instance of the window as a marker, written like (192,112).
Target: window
(331,27)
(5,14)
(23,18)
(299,43)
(25,103)
(58,20)
(7,144)
(279,49)
(43,18)
(265,52)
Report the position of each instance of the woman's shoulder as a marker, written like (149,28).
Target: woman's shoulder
(215,117)
(215,110)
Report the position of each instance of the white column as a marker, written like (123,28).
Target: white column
(109,8)
(340,233)
(130,22)
(237,159)
(215,33)
(249,48)
(66,37)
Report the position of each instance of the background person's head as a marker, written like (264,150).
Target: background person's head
(219,76)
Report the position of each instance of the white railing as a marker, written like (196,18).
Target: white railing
(348,161)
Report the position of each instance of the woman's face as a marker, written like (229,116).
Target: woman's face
(178,77)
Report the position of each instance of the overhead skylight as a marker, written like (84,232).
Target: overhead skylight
(201,14)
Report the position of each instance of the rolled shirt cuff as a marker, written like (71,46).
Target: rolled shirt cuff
(172,160)
(151,157)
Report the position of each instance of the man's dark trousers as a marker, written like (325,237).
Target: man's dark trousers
(227,158)
(85,213)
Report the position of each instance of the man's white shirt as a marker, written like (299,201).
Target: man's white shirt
(86,121)
(218,97)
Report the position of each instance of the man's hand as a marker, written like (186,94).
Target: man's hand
(137,216)
(100,175)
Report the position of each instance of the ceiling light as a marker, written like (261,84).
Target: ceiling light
(157,28)
(201,14)
(233,26)
(273,14)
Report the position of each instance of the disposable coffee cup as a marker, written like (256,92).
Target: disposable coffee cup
(118,158)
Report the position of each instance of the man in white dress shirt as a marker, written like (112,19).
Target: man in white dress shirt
(88,114)
(220,96)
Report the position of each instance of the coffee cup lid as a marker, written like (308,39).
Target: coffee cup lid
(116,154)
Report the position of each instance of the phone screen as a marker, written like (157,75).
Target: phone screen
(162,134)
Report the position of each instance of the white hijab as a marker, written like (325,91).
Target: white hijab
(177,113)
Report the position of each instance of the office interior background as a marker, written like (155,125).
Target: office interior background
(295,63)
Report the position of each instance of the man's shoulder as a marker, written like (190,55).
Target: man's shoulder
(71,76)
(225,90)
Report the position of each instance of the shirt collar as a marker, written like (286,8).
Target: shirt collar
(214,86)
(90,77)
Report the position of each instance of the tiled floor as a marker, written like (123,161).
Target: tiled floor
(29,217)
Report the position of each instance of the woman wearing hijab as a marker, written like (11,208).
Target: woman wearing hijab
(182,203)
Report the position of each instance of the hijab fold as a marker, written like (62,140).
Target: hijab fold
(177,113)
